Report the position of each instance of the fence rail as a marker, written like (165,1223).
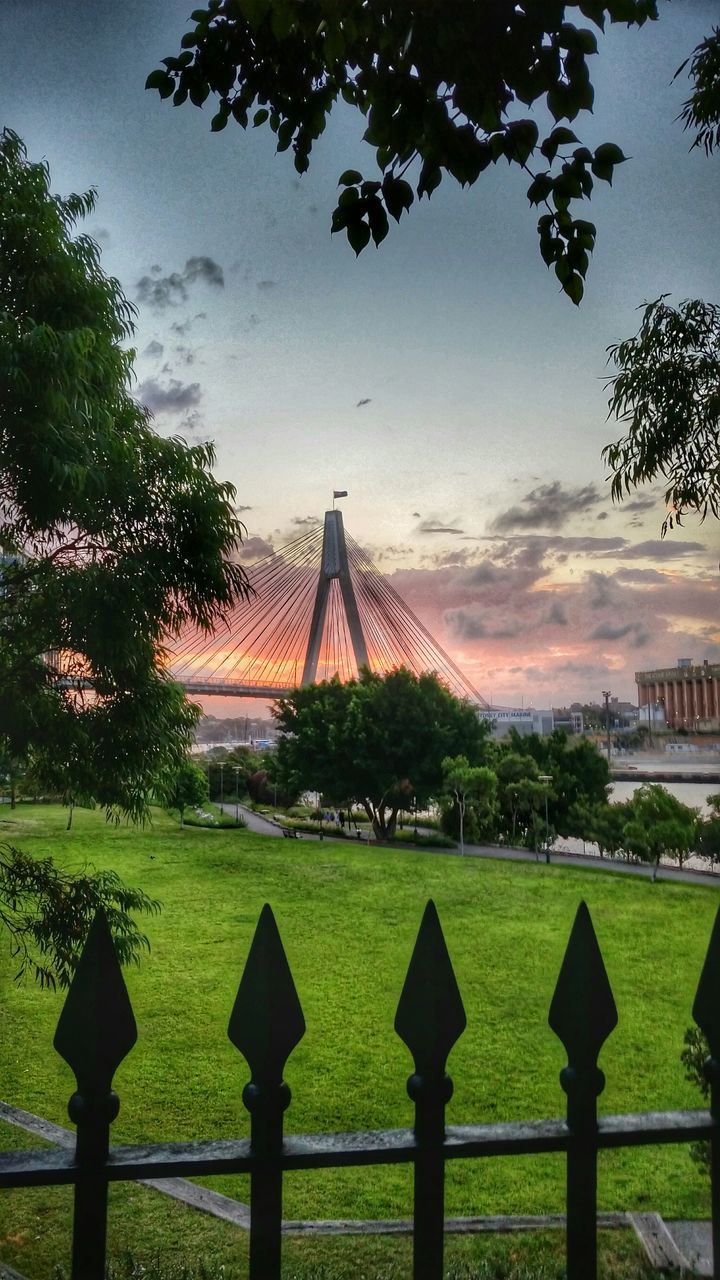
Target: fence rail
(97,1030)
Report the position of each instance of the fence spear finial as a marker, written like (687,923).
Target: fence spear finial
(430,1014)
(583,1011)
(96,1028)
(706,1007)
(267,1020)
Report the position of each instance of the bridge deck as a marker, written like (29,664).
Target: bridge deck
(221,689)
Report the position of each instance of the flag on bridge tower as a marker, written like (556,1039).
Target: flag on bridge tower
(339,493)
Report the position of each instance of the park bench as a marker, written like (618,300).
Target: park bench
(290,833)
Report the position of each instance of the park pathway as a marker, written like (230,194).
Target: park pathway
(558,858)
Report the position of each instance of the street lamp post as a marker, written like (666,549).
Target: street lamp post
(236,771)
(222,766)
(606,696)
(546,779)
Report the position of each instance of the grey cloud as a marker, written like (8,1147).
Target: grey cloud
(561,543)
(639,575)
(655,549)
(266,285)
(154,350)
(161,292)
(481,573)
(192,422)
(556,614)
(464,625)
(205,269)
(173,398)
(603,589)
(240,510)
(360,404)
(416,515)
(640,639)
(253,549)
(456,558)
(305,522)
(601,515)
(434,526)
(185,355)
(549,505)
(639,504)
(509,631)
(606,631)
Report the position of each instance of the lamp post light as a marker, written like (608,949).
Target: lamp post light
(606,696)
(546,779)
(236,771)
(221,767)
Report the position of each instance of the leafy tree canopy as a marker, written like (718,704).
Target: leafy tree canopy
(578,772)
(667,396)
(378,740)
(189,788)
(659,824)
(442,92)
(48,913)
(468,798)
(701,112)
(111,538)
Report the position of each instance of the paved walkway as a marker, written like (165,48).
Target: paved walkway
(589,862)
(261,826)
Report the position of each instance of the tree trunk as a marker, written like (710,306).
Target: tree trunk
(656,864)
(391,825)
(70,816)
(462,828)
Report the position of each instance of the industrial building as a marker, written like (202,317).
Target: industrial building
(681,697)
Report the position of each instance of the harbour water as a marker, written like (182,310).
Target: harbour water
(692,793)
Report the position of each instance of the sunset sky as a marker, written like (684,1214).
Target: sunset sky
(442,379)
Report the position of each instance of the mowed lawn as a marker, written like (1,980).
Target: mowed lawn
(348,918)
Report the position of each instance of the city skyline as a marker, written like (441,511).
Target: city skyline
(442,380)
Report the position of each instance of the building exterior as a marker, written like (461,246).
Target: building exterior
(571,721)
(686,696)
(526,721)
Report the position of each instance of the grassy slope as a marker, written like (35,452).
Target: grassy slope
(348,918)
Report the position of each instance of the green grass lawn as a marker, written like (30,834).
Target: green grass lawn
(348,918)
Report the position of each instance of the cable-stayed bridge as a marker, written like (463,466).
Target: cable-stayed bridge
(320,608)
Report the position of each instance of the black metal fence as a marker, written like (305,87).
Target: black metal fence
(97,1029)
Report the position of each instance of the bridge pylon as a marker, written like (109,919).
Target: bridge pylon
(333,564)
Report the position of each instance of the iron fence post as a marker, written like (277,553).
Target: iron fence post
(582,1089)
(265,1025)
(93,1117)
(95,1031)
(582,1015)
(430,1018)
(430,1094)
(267,1107)
(706,1012)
